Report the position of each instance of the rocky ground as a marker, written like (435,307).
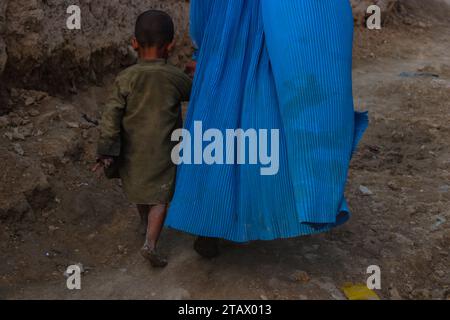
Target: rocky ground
(54,212)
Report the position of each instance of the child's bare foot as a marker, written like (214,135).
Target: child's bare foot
(207,247)
(155,258)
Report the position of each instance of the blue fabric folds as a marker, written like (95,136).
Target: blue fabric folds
(271,64)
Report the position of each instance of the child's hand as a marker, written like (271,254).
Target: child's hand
(103,162)
(191,66)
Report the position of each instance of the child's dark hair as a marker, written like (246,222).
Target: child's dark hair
(154,28)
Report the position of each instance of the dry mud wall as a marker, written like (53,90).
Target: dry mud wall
(37,51)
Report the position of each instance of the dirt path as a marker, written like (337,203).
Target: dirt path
(403,227)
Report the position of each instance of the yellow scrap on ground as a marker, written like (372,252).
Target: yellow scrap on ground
(359,292)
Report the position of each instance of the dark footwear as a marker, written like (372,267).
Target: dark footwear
(207,247)
(156,260)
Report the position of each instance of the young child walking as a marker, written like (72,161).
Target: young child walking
(137,123)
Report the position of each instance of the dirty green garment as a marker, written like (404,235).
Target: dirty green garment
(137,123)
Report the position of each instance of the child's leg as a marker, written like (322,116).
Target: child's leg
(143,214)
(156,217)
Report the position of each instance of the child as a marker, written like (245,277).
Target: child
(139,118)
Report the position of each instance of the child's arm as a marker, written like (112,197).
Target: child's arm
(185,87)
(109,144)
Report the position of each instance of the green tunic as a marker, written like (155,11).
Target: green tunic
(137,123)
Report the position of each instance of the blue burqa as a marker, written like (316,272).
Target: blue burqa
(271,64)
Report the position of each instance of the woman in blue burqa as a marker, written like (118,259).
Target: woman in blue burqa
(270,64)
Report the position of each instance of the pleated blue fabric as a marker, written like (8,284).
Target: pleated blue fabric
(271,64)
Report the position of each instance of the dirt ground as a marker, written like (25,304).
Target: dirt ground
(54,212)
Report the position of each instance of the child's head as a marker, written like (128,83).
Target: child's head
(154,32)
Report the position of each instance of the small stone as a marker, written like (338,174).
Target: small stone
(72,125)
(395,295)
(52,228)
(300,276)
(52,253)
(16,135)
(440,220)
(33,113)
(411,211)
(438,294)
(14,93)
(327,285)
(8,135)
(29,101)
(86,125)
(15,121)
(263,297)
(365,191)
(122,249)
(408,288)
(178,294)
(27,131)
(421,24)
(393,186)
(18,149)
(22,207)
(48,117)
(440,273)
(421,294)
(4,122)
(92,236)
(401,239)
(444,189)
(50,169)
(311,257)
